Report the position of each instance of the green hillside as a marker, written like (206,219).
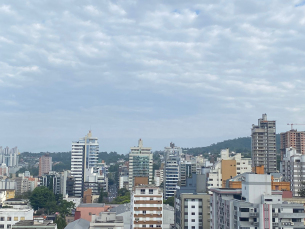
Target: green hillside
(238,145)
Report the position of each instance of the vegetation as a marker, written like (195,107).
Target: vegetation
(34,171)
(170,201)
(111,157)
(43,198)
(102,196)
(123,197)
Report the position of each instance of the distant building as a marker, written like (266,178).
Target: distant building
(9,156)
(45,164)
(140,163)
(227,167)
(254,206)
(85,211)
(263,143)
(147,207)
(35,224)
(294,139)
(84,155)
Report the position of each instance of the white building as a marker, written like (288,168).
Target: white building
(19,211)
(254,206)
(84,155)
(147,207)
(140,163)
(293,169)
(227,167)
(9,156)
(158,177)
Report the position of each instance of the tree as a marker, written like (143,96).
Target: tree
(101,197)
(170,201)
(65,207)
(61,222)
(302,190)
(42,197)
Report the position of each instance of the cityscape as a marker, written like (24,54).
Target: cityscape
(134,114)
(168,189)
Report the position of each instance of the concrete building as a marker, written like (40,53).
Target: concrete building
(192,204)
(171,170)
(187,167)
(293,169)
(140,163)
(147,207)
(9,156)
(85,211)
(294,139)
(35,224)
(96,181)
(17,210)
(45,164)
(84,155)
(254,206)
(158,176)
(107,220)
(263,144)
(227,167)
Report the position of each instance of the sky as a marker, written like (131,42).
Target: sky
(189,72)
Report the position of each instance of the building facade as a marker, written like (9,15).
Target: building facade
(254,206)
(294,139)
(147,207)
(45,164)
(293,169)
(263,144)
(227,167)
(140,163)
(84,155)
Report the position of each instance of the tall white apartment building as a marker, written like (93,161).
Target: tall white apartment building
(9,156)
(227,167)
(293,169)
(254,206)
(147,207)
(84,155)
(140,163)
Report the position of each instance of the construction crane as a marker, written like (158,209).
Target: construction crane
(291,124)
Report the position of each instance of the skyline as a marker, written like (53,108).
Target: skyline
(193,73)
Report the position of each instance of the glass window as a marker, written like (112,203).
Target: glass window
(16,218)
(151,191)
(22,218)
(9,218)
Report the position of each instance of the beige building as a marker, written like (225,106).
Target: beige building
(45,165)
(147,207)
(226,168)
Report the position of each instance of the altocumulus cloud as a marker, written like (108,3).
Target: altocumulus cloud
(192,72)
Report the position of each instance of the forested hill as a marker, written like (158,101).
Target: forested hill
(238,145)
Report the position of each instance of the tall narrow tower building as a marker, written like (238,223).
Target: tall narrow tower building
(84,155)
(140,164)
(263,143)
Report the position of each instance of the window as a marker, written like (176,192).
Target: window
(142,191)
(193,220)
(144,212)
(9,226)
(9,218)
(193,227)
(151,191)
(151,225)
(193,206)
(1,225)
(151,198)
(2,218)
(22,218)
(16,218)
(193,213)
(144,225)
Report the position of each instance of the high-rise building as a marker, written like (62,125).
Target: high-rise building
(294,139)
(192,204)
(263,143)
(84,155)
(171,169)
(293,169)
(253,206)
(147,207)
(45,164)
(140,163)
(9,156)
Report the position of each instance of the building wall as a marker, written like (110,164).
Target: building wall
(228,170)
(87,212)
(9,216)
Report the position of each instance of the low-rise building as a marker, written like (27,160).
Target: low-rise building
(107,220)
(34,224)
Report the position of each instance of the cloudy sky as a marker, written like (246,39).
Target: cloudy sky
(191,72)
